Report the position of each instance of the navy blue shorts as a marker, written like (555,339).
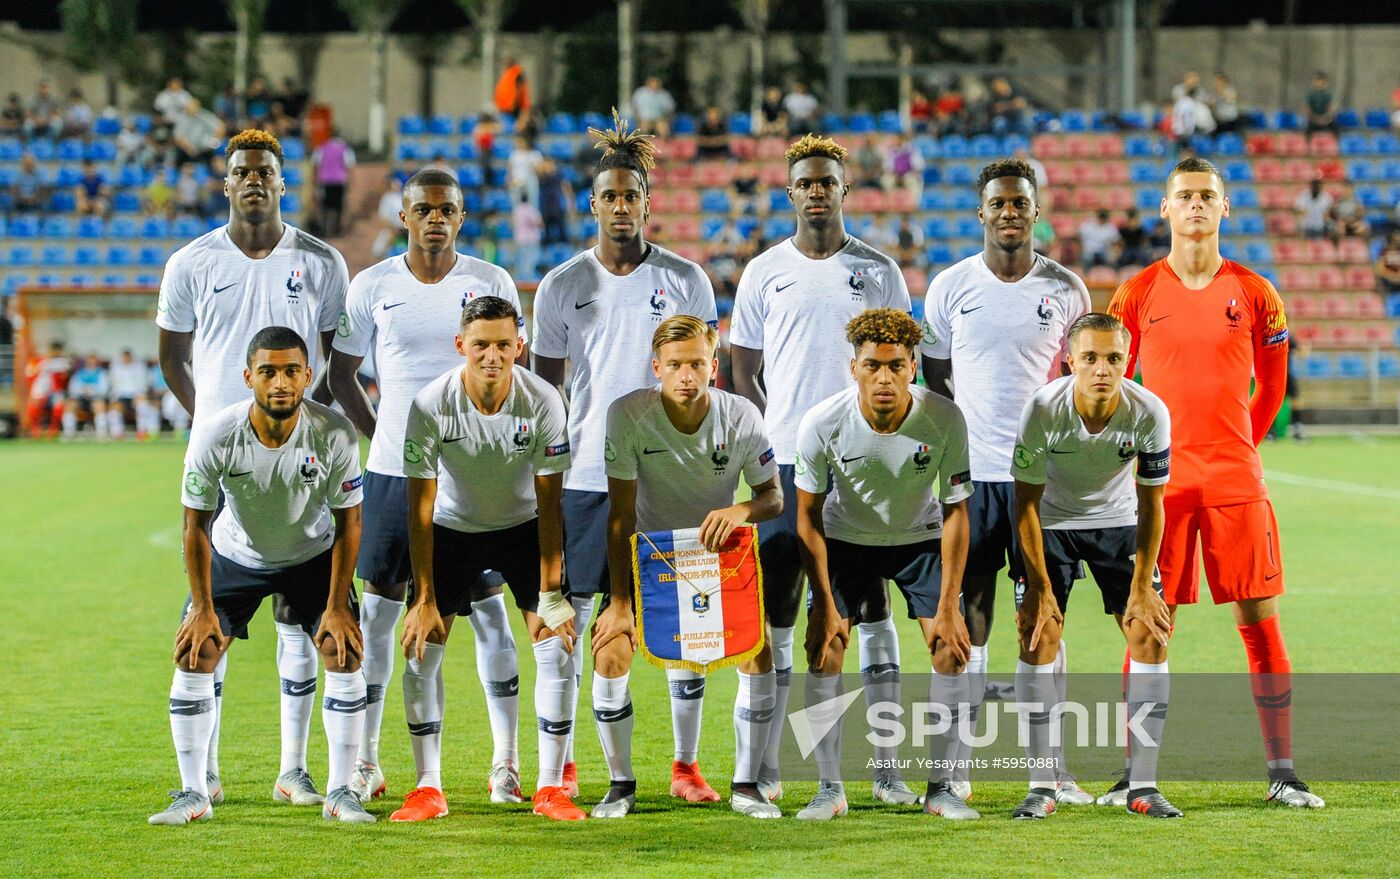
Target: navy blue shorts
(239,591)
(460,558)
(858,574)
(1108,553)
(586,542)
(992,543)
(777,538)
(384,556)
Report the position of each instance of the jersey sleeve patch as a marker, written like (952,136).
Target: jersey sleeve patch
(556,450)
(352,484)
(1154,465)
(765,457)
(960,478)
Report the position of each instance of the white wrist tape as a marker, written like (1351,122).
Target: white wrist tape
(555,609)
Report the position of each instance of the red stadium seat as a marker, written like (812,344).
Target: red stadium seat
(1281,223)
(1268,170)
(661,201)
(1354,250)
(1321,250)
(1126,273)
(1323,143)
(684,229)
(1118,198)
(683,174)
(1299,170)
(681,149)
(870,201)
(916,280)
(1331,169)
(1304,305)
(1310,333)
(1065,225)
(1109,146)
(1378,334)
(714,175)
(685,201)
(904,201)
(742,148)
(1338,306)
(1259,145)
(692,252)
(770,148)
(1361,278)
(1296,277)
(1369,306)
(1330,278)
(1087,198)
(1290,143)
(775,176)
(1049,146)
(1344,336)
(1102,276)
(1286,251)
(1116,172)
(1081,146)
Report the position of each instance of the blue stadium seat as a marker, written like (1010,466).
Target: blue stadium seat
(1203,144)
(955,146)
(1229,249)
(710,227)
(188,227)
(151,256)
(1249,224)
(471,176)
(142,122)
(560,150)
(82,279)
(507,123)
(967,250)
(68,175)
(960,175)
(411,126)
(442,125)
(1316,366)
(70,149)
(1386,144)
(1244,197)
(684,123)
(24,227)
(292,174)
(20,255)
(1354,144)
(293,150)
(779,227)
(51,279)
(967,227)
(1258,252)
(1352,365)
(1140,146)
(467,124)
(740,123)
(831,123)
(43,149)
(1144,172)
(1361,169)
(87,255)
(558,254)
(1043,120)
(1378,119)
(1285,120)
(964,199)
(1371,196)
(467,152)
(593,120)
(436,149)
(11,150)
(406,151)
(90,227)
(936,228)
(498,202)
(745,225)
(581,201)
(114,279)
(120,255)
(54,255)
(58,227)
(1013,142)
(1102,120)
(861,123)
(15,280)
(985,146)
(932,176)
(1392,306)
(131,175)
(1389,170)
(1348,119)
(778,201)
(888,122)
(1388,365)
(100,151)
(1229,144)
(291,203)
(122,227)
(501,149)
(1132,119)
(498,177)
(155,227)
(1147,199)
(714,201)
(107,126)
(145,280)
(62,202)
(1074,120)
(934,199)
(928,147)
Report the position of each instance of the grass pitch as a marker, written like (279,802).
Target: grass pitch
(92,586)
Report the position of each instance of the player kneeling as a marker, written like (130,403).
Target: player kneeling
(485,453)
(289,471)
(1078,437)
(673,459)
(873,463)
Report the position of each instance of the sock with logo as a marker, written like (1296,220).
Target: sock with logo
(1035,695)
(554,701)
(612,709)
(976,689)
(378,617)
(1149,688)
(219,671)
(422,708)
(879,672)
(343,714)
(499,671)
(191,719)
(782,638)
(687,710)
(583,615)
(296,665)
(949,694)
(1271,679)
(753,713)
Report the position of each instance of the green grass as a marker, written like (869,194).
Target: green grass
(92,586)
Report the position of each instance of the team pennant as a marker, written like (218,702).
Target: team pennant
(697,609)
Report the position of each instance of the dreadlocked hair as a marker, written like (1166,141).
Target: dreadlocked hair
(624,147)
(815,146)
(254,139)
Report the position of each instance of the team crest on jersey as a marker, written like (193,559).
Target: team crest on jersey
(658,302)
(1233,315)
(294,286)
(467,297)
(921,459)
(1127,451)
(720,458)
(1042,311)
(522,437)
(857,284)
(309,470)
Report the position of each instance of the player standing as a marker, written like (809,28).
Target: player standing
(288,473)
(217,292)
(1201,326)
(485,449)
(674,457)
(408,308)
(1078,440)
(996,325)
(598,311)
(882,475)
(790,313)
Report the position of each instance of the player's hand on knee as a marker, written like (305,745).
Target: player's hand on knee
(196,628)
(419,625)
(1148,608)
(340,627)
(613,623)
(566,634)
(826,637)
(950,629)
(719,525)
(1038,612)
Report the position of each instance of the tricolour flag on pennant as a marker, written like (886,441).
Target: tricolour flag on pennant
(697,609)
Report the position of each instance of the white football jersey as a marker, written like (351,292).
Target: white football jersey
(603,324)
(277,502)
(411,327)
(885,488)
(1087,477)
(485,465)
(213,290)
(1005,341)
(795,309)
(682,477)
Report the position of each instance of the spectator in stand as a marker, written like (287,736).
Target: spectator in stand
(77,115)
(1321,105)
(512,90)
(1348,215)
(484,135)
(1161,239)
(160,140)
(1187,114)
(1190,83)
(556,197)
(920,112)
(212,201)
(187,193)
(950,112)
(712,135)
(1313,205)
(225,104)
(129,381)
(1097,239)
(746,193)
(1388,264)
(12,115)
(197,133)
(1395,112)
(527,124)
(158,198)
(258,102)
(653,106)
(1137,249)
(774,120)
(29,191)
(1010,112)
(386,216)
(332,161)
(868,165)
(43,116)
(130,144)
(92,193)
(904,166)
(1042,176)
(1224,104)
(801,107)
(908,242)
(87,396)
(173,99)
(523,170)
(281,123)
(527,228)
(293,97)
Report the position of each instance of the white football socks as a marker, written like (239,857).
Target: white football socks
(499,671)
(296,664)
(687,710)
(879,673)
(612,709)
(823,712)
(952,693)
(782,684)
(977,688)
(191,720)
(753,713)
(219,671)
(583,615)
(1149,684)
(555,697)
(422,708)
(343,714)
(378,618)
(1035,697)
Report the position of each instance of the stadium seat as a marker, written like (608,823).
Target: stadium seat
(889,122)
(960,175)
(1353,250)
(58,227)
(62,202)
(561,123)
(291,203)
(1304,305)
(114,279)
(406,151)
(1249,224)
(100,151)
(20,255)
(145,280)
(779,227)
(54,255)
(411,126)
(1386,144)
(126,203)
(1280,223)
(956,146)
(471,176)
(1316,366)
(1321,250)
(1354,144)
(1360,277)
(684,123)
(1285,120)
(1257,252)
(1377,118)
(1351,365)
(985,146)
(1369,306)
(1139,145)
(1244,197)
(1286,251)
(152,256)
(188,227)
(714,201)
(90,227)
(1331,278)
(1361,169)
(155,227)
(1074,120)
(87,255)
(293,150)
(43,149)
(739,123)
(498,202)
(122,227)
(120,255)
(70,149)
(1237,171)
(1388,365)
(1229,144)
(1323,143)
(964,199)
(861,123)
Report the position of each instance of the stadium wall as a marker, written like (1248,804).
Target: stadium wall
(1253,56)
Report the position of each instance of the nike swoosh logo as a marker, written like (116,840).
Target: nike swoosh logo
(849,460)
(218,290)
(578,305)
(612,716)
(455,439)
(1271,576)
(236,475)
(556,727)
(387,306)
(780,288)
(692,689)
(1153,320)
(1062,451)
(652,451)
(968,310)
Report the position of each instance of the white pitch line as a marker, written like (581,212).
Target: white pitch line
(1332,484)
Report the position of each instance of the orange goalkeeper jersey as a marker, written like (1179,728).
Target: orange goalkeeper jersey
(1198,350)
